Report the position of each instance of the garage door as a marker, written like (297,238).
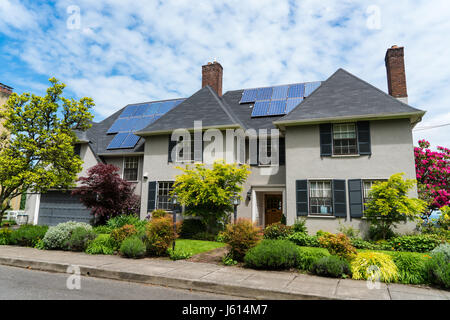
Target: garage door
(56,207)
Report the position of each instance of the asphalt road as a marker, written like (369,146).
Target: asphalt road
(23,284)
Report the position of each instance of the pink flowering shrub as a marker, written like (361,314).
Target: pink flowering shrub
(433,174)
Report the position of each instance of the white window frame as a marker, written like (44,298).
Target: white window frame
(158,188)
(333,132)
(323,181)
(125,167)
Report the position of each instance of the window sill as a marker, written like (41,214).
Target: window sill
(345,155)
(320,216)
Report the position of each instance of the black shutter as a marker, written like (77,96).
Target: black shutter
(355,198)
(151,200)
(301,190)
(364,137)
(282,152)
(339,201)
(172,144)
(326,141)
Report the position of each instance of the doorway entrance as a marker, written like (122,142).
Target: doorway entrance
(273,204)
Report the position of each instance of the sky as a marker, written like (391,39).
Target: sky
(122,52)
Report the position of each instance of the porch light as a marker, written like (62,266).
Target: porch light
(249,195)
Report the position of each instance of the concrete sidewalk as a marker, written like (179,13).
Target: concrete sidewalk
(236,281)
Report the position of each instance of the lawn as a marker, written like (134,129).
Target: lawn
(197,246)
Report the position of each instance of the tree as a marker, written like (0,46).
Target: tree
(207,192)
(106,193)
(433,175)
(389,204)
(36,150)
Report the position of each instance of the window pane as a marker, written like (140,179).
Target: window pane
(320,197)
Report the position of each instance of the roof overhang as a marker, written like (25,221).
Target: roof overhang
(414,117)
(165,132)
(119,154)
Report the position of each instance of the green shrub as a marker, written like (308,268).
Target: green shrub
(8,223)
(103,244)
(415,243)
(300,226)
(443,248)
(359,243)
(321,233)
(204,236)
(120,221)
(102,230)
(58,236)
(338,244)
(380,233)
(277,231)
(179,254)
(308,256)
(303,239)
(120,234)
(159,213)
(241,237)
(410,267)
(191,227)
(438,270)
(132,248)
(27,235)
(273,255)
(79,239)
(331,266)
(372,264)
(5,236)
(159,236)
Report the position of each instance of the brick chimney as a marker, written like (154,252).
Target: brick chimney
(396,77)
(212,74)
(4,89)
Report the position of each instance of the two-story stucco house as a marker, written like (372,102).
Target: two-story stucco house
(336,137)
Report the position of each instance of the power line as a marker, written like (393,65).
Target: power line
(432,127)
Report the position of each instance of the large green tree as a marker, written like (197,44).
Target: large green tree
(36,150)
(207,192)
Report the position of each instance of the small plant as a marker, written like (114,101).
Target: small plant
(58,236)
(159,213)
(300,226)
(159,236)
(349,231)
(79,239)
(241,237)
(103,244)
(444,249)
(179,254)
(120,221)
(410,266)
(228,261)
(132,248)
(102,230)
(438,270)
(331,266)
(359,243)
(321,233)
(338,245)
(204,236)
(415,243)
(370,265)
(5,236)
(120,234)
(28,235)
(308,256)
(273,255)
(277,231)
(8,223)
(303,239)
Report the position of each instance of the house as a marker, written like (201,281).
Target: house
(5,92)
(334,138)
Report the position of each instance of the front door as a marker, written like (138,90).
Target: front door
(273,208)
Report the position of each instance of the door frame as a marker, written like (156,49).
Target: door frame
(280,194)
(257,211)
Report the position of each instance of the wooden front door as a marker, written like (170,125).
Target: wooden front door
(273,208)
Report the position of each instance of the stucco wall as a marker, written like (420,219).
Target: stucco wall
(118,161)
(392,152)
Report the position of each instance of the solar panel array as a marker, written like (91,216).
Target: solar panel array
(272,101)
(134,118)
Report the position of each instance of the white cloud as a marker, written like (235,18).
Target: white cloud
(127,51)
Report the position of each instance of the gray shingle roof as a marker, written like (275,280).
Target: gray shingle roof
(344,95)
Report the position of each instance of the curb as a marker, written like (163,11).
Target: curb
(160,280)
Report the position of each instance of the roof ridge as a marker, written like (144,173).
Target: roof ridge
(226,108)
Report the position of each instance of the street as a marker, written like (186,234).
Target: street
(23,284)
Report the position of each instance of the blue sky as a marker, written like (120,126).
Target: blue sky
(121,52)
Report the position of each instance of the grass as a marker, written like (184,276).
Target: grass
(197,246)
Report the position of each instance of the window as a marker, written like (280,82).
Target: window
(130,171)
(320,197)
(367,185)
(164,202)
(344,139)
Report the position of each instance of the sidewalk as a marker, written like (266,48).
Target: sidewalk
(236,281)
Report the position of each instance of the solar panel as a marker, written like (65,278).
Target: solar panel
(280,92)
(141,123)
(166,107)
(311,86)
(130,141)
(118,125)
(260,108)
(129,111)
(292,103)
(249,95)
(277,107)
(296,90)
(117,141)
(141,109)
(264,93)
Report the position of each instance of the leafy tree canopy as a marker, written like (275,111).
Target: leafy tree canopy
(36,150)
